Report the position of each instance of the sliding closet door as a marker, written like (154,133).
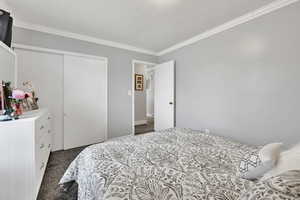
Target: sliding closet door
(85,101)
(45,71)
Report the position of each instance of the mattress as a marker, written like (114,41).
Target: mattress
(168,165)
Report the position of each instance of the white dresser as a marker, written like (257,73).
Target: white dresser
(25,146)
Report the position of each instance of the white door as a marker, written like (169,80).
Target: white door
(45,71)
(85,101)
(164,100)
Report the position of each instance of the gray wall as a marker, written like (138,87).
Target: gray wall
(243,83)
(119,72)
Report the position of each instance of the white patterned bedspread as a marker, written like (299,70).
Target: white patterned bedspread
(169,165)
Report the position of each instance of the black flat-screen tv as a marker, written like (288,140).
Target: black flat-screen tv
(6,22)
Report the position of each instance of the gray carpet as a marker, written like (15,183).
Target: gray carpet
(57,165)
(145,128)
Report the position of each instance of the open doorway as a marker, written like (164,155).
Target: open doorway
(143,97)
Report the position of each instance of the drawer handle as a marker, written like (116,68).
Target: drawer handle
(42,166)
(42,127)
(42,146)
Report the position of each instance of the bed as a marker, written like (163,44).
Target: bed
(167,165)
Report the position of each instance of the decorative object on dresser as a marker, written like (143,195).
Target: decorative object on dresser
(14,101)
(139,82)
(30,103)
(7,111)
(25,145)
(17,97)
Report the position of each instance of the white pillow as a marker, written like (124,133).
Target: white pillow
(288,160)
(270,152)
(295,147)
(255,165)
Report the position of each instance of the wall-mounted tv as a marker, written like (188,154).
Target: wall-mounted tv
(6,22)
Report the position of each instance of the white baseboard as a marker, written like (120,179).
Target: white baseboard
(140,122)
(150,115)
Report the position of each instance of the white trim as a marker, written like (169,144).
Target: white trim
(63,108)
(55,51)
(107,102)
(132,98)
(140,122)
(45,29)
(132,90)
(4,46)
(233,23)
(143,62)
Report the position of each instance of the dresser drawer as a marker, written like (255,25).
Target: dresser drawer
(42,145)
(42,127)
(42,151)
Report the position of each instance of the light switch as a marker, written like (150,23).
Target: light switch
(129,93)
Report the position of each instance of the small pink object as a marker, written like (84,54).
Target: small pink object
(18,94)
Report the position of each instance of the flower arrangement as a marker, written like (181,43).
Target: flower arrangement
(14,101)
(17,97)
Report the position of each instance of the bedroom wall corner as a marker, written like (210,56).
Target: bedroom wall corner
(243,83)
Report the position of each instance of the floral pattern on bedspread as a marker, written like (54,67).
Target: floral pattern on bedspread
(175,164)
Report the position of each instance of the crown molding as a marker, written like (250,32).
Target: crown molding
(55,51)
(233,23)
(49,30)
(277,4)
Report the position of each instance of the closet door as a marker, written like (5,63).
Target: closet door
(85,101)
(45,71)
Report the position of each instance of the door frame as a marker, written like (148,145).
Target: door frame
(64,53)
(133,90)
